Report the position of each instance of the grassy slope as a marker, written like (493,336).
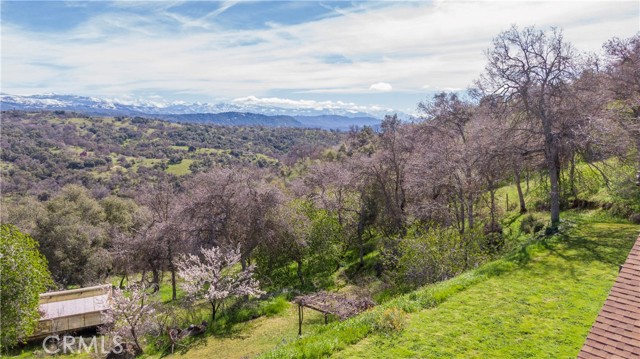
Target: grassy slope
(541,308)
(251,338)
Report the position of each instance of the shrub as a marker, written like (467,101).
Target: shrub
(174,160)
(493,237)
(439,254)
(621,209)
(391,320)
(625,195)
(531,224)
(275,306)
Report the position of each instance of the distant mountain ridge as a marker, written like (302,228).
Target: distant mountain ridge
(236,119)
(221,113)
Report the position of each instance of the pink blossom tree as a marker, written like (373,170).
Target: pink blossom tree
(216,277)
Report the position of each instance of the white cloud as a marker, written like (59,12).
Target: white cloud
(306,104)
(381,86)
(404,44)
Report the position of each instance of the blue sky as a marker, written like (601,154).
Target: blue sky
(378,54)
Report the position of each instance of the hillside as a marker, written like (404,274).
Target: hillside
(538,302)
(43,151)
(235,119)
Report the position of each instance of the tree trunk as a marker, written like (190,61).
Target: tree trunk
(638,154)
(135,339)
(462,217)
(523,206)
(173,282)
(492,196)
(359,233)
(156,279)
(300,276)
(470,211)
(572,177)
(214,310)
(122,281)
(554,173)
(506,195)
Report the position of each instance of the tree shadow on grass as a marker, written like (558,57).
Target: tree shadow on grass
(584,242)
(610,246)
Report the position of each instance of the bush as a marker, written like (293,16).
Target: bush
(275,306)
(531,224)
(621,209)
(493,237)
(174,160)
(626,196)
(391,320)
(439,254)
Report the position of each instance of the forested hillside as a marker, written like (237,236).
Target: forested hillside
(43,151)
(530,171)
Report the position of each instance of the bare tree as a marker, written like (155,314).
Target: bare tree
(622,85)
(165,234)
(329,185)
(343,188)
(229,208)
(386,170)
(532,71)
(445,163)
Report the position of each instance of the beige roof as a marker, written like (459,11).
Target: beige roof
(74,302)
(616,332)
(74,307)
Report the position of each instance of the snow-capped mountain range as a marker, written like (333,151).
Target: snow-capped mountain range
(269,107)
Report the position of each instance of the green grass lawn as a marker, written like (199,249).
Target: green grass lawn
(542,307)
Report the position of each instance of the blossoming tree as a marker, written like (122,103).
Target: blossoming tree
(130,315)
(216,276)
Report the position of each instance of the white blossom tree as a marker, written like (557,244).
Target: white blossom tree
(130,315)
(216,276)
